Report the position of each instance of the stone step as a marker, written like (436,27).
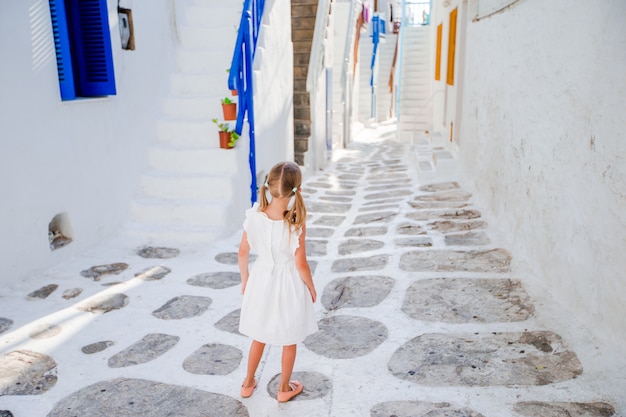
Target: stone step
(199,161)
(163,234)
(210,12)
(197,60)
(182,133)
(179,212)
(193,108)
(210,84)
(209,37)
(165,186)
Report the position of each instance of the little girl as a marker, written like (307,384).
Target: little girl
(278,291)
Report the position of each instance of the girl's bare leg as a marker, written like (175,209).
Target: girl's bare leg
(288,360)
(254,358)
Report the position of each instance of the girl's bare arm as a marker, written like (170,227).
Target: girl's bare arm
(303,265)
(243,260)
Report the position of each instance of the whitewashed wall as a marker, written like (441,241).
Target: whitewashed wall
(81,157)
(542,139)
(274,88)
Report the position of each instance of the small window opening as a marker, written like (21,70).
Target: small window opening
(60,231)
(127,32)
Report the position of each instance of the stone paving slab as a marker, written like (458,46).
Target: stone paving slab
(467,300)
(395,337)
(126,397)
(507,359)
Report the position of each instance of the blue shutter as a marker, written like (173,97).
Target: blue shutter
(93,58)
(62,49)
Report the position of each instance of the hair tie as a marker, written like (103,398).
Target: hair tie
(266,184)
(294,189)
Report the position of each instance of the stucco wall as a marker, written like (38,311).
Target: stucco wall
(81,157)
(542,139)
(274,88)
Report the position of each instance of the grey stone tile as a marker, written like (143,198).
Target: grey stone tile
(97,347)
(153,273)
(564,409)
(383,195)
(213,359)
(485,359)
(5,324)
(104,303)
(467,300)
(319,232)
(149,348)
(494,260)
(71,293)
(356,291)
(428,205)
(456,196)
(331,208)
(379,207)
(216,280)
(183,307)
(370,263)
(414,242)
(471,238)
(461,214)
(346,337)
(45,331)
(96,272)
(448,226)
(410,229)
(442,186)
(151,252)
(422,409)
(26,373)
(353,246)
(230,322)
(43,292)
(315,385)
(316,247)
(366,231)
(329,220)
(379,217)
(126,397)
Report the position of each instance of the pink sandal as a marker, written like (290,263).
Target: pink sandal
(296,388)
(247,391)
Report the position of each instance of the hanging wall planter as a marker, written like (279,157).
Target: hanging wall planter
(227,137)
(229,108)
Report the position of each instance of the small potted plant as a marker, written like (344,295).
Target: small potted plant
(227,136)
(229,108)
(232,92)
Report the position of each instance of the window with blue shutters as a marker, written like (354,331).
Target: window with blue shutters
(83,48)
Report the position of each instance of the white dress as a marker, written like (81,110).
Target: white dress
(276,308)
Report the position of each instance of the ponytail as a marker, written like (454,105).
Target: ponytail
(296,216)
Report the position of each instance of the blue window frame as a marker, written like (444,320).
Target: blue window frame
(82,43)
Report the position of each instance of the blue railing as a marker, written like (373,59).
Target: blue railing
(240,77)
(378,30)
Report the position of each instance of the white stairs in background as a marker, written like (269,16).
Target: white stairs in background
(436,159)
(386,49)
(186,192)
(416,113)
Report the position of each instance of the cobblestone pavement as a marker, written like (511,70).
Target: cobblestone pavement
(422,312)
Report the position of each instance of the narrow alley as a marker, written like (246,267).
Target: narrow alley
(422,312)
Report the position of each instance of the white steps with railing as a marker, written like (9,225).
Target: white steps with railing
(415,95)
(186,192)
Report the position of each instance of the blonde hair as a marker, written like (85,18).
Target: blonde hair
(284,180)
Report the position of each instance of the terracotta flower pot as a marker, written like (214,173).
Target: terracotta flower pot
(230,111)
(224,140)
(234,93)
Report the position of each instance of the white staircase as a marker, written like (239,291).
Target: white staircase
(386,49)
(415,96)
(186,193)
